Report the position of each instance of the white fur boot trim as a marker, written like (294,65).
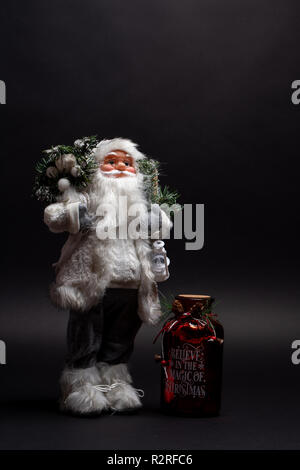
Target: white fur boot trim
(116,380)
(79,391)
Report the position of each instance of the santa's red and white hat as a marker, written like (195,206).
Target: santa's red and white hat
(118,143)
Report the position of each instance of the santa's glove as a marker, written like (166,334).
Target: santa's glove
(85,219)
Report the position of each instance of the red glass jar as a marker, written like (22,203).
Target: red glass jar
(191,358)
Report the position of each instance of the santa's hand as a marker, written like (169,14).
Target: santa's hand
(85,219)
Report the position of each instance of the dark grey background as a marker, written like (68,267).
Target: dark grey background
(205,87)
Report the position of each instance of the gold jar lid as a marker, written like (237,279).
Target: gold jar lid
(188,300)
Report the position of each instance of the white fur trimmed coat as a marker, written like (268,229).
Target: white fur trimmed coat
(83,271)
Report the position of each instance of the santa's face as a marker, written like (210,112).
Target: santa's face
(118,164)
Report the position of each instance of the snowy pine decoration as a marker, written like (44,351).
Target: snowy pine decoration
(63,166)
(155,193)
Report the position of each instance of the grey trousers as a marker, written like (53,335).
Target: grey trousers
(105,333)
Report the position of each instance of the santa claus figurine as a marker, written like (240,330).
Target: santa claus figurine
(106,276)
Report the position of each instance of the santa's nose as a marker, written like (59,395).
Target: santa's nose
(120,166)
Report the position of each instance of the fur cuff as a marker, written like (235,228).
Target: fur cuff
(113,373)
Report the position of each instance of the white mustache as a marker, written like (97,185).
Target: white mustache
(117,172)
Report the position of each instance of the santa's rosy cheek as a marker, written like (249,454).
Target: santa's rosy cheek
(131,169)
(106,167)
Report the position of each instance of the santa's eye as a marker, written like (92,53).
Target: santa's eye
(111,162)
(126,163)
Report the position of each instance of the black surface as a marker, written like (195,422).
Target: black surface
(205,87)
(260,393)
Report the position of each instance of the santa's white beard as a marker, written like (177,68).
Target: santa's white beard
(121,199)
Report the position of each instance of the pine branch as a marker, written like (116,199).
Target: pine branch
(166,302)
(155,194)
(45,188)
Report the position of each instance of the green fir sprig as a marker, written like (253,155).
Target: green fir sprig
(166,301)
(167,196)
(155,193)
(46,188)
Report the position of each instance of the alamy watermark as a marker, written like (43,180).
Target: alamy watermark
(295,96)
(295,357)
(2,92)
(2,352)
(123,221)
